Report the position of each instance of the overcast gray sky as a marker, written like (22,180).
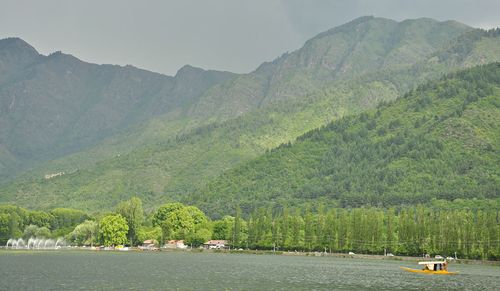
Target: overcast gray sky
(234,35)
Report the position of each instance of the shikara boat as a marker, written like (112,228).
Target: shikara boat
(432,267)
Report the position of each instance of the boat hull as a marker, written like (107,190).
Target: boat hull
(428,272)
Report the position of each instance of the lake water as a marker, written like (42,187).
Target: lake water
(70,270)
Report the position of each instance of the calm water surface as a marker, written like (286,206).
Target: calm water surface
(70,270)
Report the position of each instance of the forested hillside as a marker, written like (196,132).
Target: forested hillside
(163,167)
(438,141)
(52,106)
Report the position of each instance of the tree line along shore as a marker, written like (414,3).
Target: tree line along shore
(467,233)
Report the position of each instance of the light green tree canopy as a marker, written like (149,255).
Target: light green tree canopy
(162,213)
(223,229)
(198,237)
(85,233)
(177,220)
(113,229)
(146,233)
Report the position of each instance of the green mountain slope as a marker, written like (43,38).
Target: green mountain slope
(74,105)
(171,168)
(54,105)
(439,141)
(364,45)
(162,168)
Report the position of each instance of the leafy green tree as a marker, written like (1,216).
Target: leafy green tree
(35,231)
(4,228)
(297,232)
(331,230)
(67,218)
(236,237)
(147,233)
(177,220)
(308,230)
(43,232)
(132,211)
(284,226)
(223,229)
(39,218)
(178,224)
(85,233)
(30,231)
(390,227)
(344,231)
(198,237)
(113,230)
(163,211)
(197,215)
(15,225)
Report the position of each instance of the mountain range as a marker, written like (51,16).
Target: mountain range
(104,133)
(56,105)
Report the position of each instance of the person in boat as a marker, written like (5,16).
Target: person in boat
(437,267)
(432,267)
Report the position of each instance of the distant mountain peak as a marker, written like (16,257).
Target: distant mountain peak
(60,54)
(350,26)
(13,40)
(188,69)
(15,55)
(420,19)
(16,43)
(364,20)
(62,58)
(361,19)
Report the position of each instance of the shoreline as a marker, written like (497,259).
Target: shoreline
(261,252)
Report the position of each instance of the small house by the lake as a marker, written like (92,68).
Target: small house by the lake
(215,244)
(175,244)
(149,244)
